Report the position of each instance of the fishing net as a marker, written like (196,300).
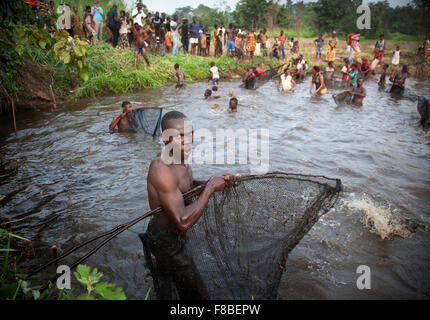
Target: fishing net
(253,83)
(148,120)
(342,98)
(423,108)
(241,243)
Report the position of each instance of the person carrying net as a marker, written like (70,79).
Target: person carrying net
(168,178)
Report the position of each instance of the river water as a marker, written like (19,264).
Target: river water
(70,179)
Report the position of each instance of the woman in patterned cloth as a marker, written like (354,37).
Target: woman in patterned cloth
(252,42)
(76,23)
(331,48)
(123,31)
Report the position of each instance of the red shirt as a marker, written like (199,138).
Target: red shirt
(350,38)
(281,39)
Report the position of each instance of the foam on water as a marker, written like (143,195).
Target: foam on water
(382,219)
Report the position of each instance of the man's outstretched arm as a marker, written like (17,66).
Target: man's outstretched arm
(172,201)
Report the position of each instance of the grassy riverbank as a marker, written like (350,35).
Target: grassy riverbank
(111,70)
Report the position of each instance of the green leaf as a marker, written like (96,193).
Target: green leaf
(36,294)
(77,50)
(42,44)
(85,296)
(107,291)
(60,44)
(65,57)
(85,73)
(80,64)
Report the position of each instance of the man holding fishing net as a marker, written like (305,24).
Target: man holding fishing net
(168,178)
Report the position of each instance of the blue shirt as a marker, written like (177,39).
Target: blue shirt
(111,15)
(193,30)
(97,15)
(200,30)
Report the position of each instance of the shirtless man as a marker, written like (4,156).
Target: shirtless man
(166,235)
(358,93)
(230,33)
(141,45)
(232,107)
(180,75)
(125,121)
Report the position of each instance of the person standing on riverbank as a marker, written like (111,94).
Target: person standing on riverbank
(184,31)
(97,13)
(137,15)
(319,46)
(194,35)
(281,41)
(113,24)
(141,45)
(174,35)
(123,31)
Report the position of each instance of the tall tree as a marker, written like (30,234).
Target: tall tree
(329,14)
(252,12)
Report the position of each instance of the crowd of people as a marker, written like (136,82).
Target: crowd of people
(158,34)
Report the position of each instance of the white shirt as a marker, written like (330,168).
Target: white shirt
(286,82)
(215,73)
(67,22)
(139,17)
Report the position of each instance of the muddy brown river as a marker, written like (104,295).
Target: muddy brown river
(71,179)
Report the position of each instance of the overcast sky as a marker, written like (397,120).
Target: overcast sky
(169,6)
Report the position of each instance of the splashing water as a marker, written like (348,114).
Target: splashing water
(382,221)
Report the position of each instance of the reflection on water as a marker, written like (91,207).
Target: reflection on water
(74,179)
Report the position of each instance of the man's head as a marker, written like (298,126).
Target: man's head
(163,15)
(177,129)
(315,70)
(320,36)
(126,107)
(194,19)
(215,88)
(212,64)
(139,6)
(233,104)
(208,93)
(381,37)
(360,82)
(175,18)
(286,71)
(157,14)
(385,67)
(231,26)
(282,32)
(176,66)
(96,3)
(122,13)
(330,64)
(75,10)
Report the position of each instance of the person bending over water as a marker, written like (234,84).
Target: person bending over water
(358,93)
(180,75)
(126,120)
(166,234)
(399,80)
(141,45)
(318,80)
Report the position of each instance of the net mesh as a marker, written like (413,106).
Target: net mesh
(148,120)
(342,98)
(241,243)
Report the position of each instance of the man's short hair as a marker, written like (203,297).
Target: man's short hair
(177,66)
(125,103)
(171,115)
(214,88)
(234,100)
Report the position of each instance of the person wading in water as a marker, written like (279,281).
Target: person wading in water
(168,178)
(125,121)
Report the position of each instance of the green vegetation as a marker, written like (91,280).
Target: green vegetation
(111,69)
(96,290)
